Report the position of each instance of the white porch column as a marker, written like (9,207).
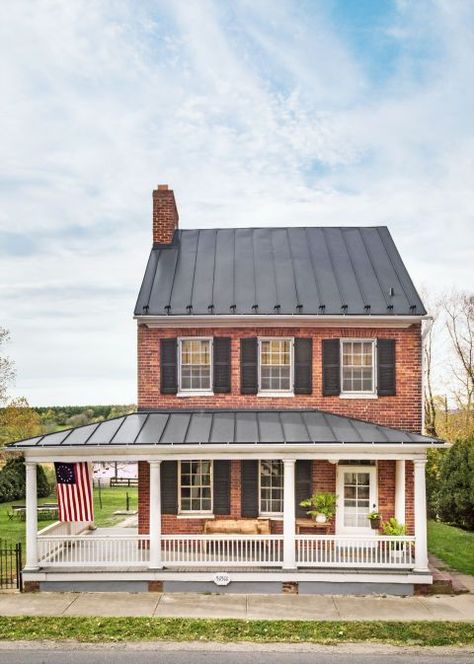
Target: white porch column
(289,560)
(31,517)
(155,515)
(421,549)
(400,491)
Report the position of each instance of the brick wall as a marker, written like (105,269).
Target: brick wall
(402,411)
(324,479)
(165,215)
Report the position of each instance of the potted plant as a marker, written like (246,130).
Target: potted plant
(375,519)
(322,504)
(394,528)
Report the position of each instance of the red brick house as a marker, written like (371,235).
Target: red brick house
(272,363)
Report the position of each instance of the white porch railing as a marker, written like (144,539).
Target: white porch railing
(222,550)
(65,528)
(364,552)
(90,551)
(191,551)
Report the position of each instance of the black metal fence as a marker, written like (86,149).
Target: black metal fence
(10,565)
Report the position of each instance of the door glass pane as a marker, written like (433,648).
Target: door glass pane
(356,500)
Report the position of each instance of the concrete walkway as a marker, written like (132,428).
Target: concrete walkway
(287,607)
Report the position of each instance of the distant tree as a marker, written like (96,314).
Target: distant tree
(428,397)
(13,480)
(456,490)
(7,367)
(459,311)
(17,421)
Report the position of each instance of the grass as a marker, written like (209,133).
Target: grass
(452,545)
(112,499)
(105,630)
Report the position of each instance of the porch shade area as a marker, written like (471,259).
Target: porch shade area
(227,427)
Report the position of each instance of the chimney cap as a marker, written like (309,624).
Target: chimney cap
(162,187)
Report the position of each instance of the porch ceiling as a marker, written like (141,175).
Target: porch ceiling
(227,427)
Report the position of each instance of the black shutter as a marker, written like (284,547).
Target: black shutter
(249,488)
(221,487)
(331,367)
(168,366)
(386,367)
(221,354)
(303,484)
(303,366)
(169,487)
(249,366)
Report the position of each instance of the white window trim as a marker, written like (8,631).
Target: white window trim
(364,394)
(196,393)
(195,513)
(277,393)
(269,515)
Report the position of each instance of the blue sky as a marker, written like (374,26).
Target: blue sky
(256,112)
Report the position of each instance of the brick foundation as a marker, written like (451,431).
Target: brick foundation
(290,588)
(31,587)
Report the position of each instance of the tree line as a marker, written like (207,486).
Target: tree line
(448,354)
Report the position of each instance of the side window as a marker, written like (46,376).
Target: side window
(358,367)
(195,365)
(276,365)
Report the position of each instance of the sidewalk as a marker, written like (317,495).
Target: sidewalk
(251,607)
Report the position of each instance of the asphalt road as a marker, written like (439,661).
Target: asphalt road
(186,656)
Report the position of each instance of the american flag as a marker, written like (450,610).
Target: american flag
(74,489)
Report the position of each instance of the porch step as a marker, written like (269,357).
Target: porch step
(444,583)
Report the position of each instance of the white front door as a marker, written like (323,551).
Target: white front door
(357,496)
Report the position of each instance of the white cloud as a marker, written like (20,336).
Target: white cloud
(256,113)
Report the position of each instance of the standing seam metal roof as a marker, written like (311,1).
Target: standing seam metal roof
(222,427)
(330,270)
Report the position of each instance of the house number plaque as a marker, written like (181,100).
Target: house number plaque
(222,579)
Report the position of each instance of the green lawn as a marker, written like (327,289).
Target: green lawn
(104,630)
(452,545)
(112,500)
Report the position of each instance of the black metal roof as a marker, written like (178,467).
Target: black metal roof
(208,427)
(350,270)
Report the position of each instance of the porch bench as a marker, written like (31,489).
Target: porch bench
(237,527)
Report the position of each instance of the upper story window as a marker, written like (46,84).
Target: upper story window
(195,365)
(358,367)
(276,366)
(195,486)
(271,487)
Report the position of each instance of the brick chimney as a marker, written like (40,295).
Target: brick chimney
(165,215)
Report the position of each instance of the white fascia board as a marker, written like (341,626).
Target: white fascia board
(376,576)
(296,320)
(335,452)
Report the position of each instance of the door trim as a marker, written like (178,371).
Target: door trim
(373,498)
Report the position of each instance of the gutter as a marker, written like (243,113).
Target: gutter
(278,320)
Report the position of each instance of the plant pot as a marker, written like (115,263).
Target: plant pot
(375,523)
(320,518)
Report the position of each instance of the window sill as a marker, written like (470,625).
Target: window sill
(273,516)
(195,515)
(194,394)
(277,395)
(358,395)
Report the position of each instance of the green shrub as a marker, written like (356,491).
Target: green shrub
(13,481)
(456,490)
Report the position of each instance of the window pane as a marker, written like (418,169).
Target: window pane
(271,486)
(195,364)
(275,365)
(357,366)
(195,486)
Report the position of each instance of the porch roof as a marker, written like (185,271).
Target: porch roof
(226,427)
